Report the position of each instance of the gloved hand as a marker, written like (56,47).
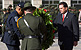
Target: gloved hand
(21,36)
(13,36)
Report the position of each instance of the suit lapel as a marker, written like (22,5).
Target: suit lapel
(60,19)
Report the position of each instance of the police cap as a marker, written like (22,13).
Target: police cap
(21,5)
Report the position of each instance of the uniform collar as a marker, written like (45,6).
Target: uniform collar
(16,13)
(29,14)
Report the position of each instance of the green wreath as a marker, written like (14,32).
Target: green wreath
(49,24)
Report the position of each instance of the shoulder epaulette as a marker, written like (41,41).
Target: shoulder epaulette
(17,22)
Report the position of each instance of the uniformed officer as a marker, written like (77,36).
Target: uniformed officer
(10,7)
(11,32)
(4,20)
(1,19)
(2,14)
(54,12)
(75,11)
(69,8)
(31,27)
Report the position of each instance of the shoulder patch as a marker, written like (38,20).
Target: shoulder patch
(18,21)
(16,18)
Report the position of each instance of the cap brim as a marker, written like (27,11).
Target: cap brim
(29,7)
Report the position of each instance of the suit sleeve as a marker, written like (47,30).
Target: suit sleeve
(75,26)
(55,22)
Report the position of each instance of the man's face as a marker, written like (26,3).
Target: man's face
(4,12)
(62,9)
(20,12)
(10,8)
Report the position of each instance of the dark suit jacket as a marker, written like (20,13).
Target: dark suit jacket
(69,29)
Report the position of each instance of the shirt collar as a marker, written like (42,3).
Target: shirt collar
(64,14)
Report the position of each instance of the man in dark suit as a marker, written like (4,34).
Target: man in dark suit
(68,28)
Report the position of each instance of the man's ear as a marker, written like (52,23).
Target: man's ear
(19,9)
(66,8)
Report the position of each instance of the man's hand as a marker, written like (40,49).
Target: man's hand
(80,23)
(75,43)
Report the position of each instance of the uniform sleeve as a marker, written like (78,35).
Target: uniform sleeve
(14,27)
(75,26)
(42,26)
(5,18)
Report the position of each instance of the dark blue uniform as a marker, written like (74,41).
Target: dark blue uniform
(11,34)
